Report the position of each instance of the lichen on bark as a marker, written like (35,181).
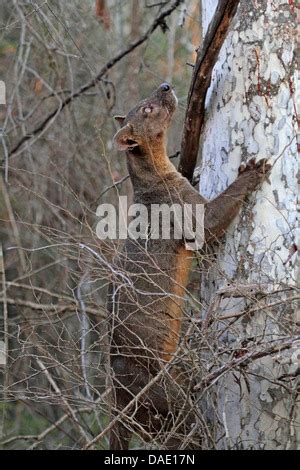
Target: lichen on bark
(251,112)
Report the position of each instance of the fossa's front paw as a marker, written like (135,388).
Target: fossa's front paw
(254,172)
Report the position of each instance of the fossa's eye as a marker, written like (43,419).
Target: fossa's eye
(147,110)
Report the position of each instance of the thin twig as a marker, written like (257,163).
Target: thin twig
(84,325)
(12,221)
(67,404)
(56,308)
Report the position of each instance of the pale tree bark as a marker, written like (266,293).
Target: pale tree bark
(251,112)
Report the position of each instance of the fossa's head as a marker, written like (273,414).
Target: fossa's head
(146,124)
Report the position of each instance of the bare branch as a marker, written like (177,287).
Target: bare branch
(49,119)
(206,59)
(55,308)
(265,350)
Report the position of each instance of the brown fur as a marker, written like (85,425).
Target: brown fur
(146,297)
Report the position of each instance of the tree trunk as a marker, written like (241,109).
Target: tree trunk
(251,113)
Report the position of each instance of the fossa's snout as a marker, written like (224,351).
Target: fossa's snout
(166,97)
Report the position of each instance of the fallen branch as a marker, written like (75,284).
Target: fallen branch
(206,59)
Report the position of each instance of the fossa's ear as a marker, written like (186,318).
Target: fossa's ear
(124,139)
(120,119)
